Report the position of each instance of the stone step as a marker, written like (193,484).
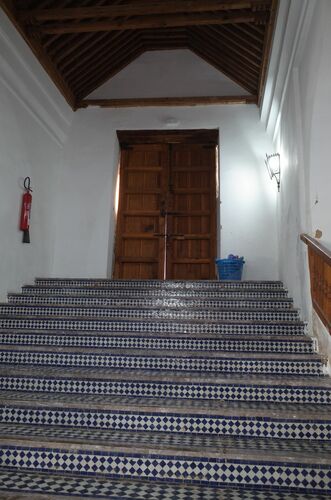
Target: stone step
(149,313)
(187,361)
(188,442)
(140,415)
(156,292)
(165,384)
(34,486)
(233,343)
(314,412)
(163,284)
(153,326)
(132,302)
(308,472)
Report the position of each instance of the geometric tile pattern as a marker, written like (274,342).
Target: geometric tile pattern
(141,373)
(247,293)
(164,285)
(143,342)
(221,445)
(222,365)
(215,471)
(195,303)
(313,412)
(152,313)
(227,392)
(247,328)
(173,423)
(113,489)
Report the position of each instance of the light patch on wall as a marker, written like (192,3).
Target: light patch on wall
(117,191)
(245,184)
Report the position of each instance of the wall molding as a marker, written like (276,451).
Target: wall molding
(293,23)
(22,75)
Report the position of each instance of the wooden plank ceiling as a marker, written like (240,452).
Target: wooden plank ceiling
(83,44)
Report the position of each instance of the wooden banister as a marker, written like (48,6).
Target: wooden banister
(320,278)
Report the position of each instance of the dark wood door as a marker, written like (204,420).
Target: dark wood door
(166,225)
(191,244)
(140,235)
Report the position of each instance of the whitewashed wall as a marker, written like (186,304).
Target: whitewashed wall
(85,212)
(33,118)
(302,136)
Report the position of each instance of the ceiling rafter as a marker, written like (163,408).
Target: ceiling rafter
(139,9)
(123,45)
(146,22)
(81,47)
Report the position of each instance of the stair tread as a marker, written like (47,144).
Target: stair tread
(42,486)
(105,307)
(31,317)
(315,412)
(180,353)
(220,446)
(160,447)
(161,376)
(170,335)
(143,298)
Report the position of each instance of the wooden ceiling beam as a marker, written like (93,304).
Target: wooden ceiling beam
(139,9)
(89,51)
(34,42)
(244,82)
(93,59)
(227,35)
(236,64)
(123,48)
(167,101)
(267,48)
(245,28)
(231,48)
(232,34)
(107,73)
(147,22)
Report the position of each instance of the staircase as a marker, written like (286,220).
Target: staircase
(158,390)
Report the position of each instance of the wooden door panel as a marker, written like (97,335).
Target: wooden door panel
(167,212)
(191,248)
(140,244)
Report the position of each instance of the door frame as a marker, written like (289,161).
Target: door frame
(184,136)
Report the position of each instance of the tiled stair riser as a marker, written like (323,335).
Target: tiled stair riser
(163,285)
(102,314)
(169,422)
(189,469)
(159,293)
(204,391)
(222,365)
(172,314)
(96,341)
(177,303)
(248,328)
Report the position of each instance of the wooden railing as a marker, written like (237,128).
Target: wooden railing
(320,278)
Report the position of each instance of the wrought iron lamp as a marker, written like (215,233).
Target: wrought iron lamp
(273,166)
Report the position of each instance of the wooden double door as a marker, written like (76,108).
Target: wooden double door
(166,225)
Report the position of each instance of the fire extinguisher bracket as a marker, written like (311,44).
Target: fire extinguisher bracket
(26,210)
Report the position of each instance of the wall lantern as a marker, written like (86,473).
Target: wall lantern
(273,165)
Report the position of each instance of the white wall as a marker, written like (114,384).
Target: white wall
(33,118)
(171,73)
(85,212)
(302,137)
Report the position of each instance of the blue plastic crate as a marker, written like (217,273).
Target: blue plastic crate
(230,269)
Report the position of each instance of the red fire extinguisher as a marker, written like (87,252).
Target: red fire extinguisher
(26,210)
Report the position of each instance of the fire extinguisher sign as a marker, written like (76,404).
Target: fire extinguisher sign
(26,210)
